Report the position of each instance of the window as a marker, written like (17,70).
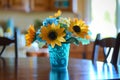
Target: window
(103,19)
(103,13)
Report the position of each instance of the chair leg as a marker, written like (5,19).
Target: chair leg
(2,50)
(16,45)
(16,51)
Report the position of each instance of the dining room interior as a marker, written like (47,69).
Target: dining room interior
(98,19)
(101,17)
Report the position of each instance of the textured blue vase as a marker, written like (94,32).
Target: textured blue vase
(59,56)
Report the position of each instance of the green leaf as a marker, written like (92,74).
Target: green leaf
(73,40)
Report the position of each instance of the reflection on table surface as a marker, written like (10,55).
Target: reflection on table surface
(59,75)
(33,68)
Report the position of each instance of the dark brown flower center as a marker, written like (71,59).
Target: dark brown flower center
(52,35)
(76,28)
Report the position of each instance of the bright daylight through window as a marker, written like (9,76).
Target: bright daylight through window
(103,18)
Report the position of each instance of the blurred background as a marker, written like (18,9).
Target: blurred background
(102,16)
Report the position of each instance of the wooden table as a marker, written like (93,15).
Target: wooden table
(33,68)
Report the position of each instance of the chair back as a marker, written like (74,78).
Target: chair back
(116,52)
(4,41)
(109,45)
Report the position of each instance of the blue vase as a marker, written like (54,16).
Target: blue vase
(59,75)
(59,56)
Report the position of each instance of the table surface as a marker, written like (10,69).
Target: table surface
(34,68)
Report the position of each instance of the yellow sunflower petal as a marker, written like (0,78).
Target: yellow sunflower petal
(61,39)
(58,42)
(52,44)
(30,35)
(58,13)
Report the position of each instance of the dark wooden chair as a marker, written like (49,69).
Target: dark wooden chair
(116,50)
(106,43)
(4,41)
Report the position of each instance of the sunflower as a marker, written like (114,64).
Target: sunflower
(30,35)
(57,14)
(78,28)
(53,34)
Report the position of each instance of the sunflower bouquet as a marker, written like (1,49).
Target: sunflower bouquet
(57,30)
